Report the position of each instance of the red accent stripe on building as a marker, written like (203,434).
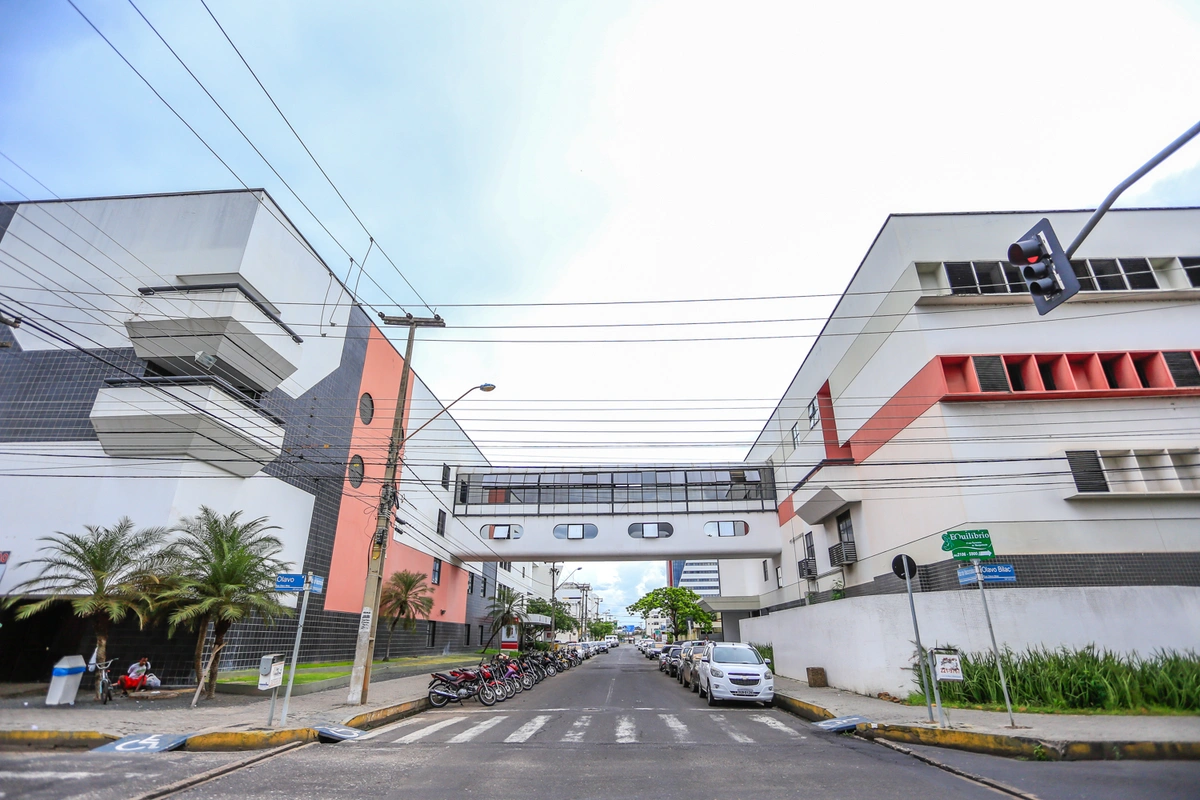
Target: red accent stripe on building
(833,445)
(787,510)
(917,396)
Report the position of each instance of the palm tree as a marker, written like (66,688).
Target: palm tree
(102,573)
(227,574)
(506,608)
(405,597)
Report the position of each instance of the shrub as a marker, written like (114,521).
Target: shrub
(765,650)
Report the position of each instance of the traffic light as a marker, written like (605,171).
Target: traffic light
(1044,267)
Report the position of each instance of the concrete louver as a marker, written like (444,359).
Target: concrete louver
(200,422)
(183,332)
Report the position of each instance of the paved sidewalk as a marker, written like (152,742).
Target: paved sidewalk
(126,716)
(1054,727)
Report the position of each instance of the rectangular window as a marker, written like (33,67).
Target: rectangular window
(445,476)
(1087,471)
(483,586)
(845,528)
(814,413)
(436,578)
(1191,266)
(779,577)
(431,633)
(470,583)
(441,523)
(481,635)
(464,491)
(766,575)
(467,632)
(795,435)
(810,548)
(506,566)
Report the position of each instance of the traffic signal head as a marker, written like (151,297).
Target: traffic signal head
(1044,267)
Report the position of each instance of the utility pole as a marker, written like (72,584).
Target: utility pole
(554,570)
(368,622)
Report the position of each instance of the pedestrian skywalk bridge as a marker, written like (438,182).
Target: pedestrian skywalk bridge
(745,726)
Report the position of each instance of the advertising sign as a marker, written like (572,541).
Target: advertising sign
(966,545)
(948,667)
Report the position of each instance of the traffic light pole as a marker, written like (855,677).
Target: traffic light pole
(1187,136)
(368,621)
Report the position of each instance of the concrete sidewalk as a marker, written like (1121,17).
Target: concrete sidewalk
(1067,735)
(126,716)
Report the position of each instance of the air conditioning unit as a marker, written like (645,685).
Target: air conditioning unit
(808,568)
(842,553)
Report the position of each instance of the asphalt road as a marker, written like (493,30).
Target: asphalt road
(614,728)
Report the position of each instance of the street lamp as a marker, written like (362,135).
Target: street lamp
(368,624)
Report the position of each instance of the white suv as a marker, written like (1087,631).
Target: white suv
(731,671)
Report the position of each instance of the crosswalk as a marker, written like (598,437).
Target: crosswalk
(594,727)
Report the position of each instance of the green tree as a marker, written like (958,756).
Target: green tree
(405,597)
(600,628)
(227,574)
(563,621)
(506,608)
(104,574)
(676,603)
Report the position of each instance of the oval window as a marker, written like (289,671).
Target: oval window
(356,471)
(576,531)
(366,408)
(725,528)
(651,530)
(501,531)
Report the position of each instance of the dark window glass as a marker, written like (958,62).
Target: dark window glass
(1047,371)
(464,489)
(810,548)
(1138,273)
(961,277)
(1191,266)
(1016,284)
(366,408)
(576,531)
(845,528)
(483,588)
(445,476)
(1014,376)
(431,635)
(356,471)
(470,590)
(1085,278)
(441,523)
(991,277)
(765,578)
(436,577)
(1108,274)
(467,631)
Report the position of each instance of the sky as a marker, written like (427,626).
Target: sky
(559,152)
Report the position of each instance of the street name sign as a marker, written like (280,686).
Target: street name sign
(965,545)
(289,582)
(992,573)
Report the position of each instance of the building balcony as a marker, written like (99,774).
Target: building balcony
(200,418)
(221,329)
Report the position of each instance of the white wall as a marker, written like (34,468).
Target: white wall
(865,643)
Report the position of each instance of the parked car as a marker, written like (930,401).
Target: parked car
(688,659)
(668,662)
(731,671)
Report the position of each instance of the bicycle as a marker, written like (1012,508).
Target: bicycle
(104,687)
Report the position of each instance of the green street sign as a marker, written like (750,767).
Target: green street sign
(966,545)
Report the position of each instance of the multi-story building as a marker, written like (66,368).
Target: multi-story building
(189,350)
(937,400)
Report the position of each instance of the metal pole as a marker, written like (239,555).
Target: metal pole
(1003,684)
(271,713)
(287,695)
(936,692)
(553,607)
(1187,136)
(912,607)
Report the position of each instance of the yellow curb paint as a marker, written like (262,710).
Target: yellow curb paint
(47,740)
(802,709)
(987,743)
(382,716)
(248,740)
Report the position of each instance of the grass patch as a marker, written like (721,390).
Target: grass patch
(1079,681)
(918,699)
(302,677)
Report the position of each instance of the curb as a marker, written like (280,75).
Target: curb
(53,740)
(1004,745)
(1031,748)
(225,741)
(382,716)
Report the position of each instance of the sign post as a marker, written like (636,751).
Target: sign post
(270,676)
(972,546)
(312,583)
(905,567)
(937,693)
(1003,684)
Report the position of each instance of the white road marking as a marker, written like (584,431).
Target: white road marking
(626,732)
(43,776)
(775,724)
(612,685)
(471,733)
(527,730)
(421,734)
(737,736)
(404,723)
(578,729)
(677,727)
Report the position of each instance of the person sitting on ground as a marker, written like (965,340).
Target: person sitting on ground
(135,677)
